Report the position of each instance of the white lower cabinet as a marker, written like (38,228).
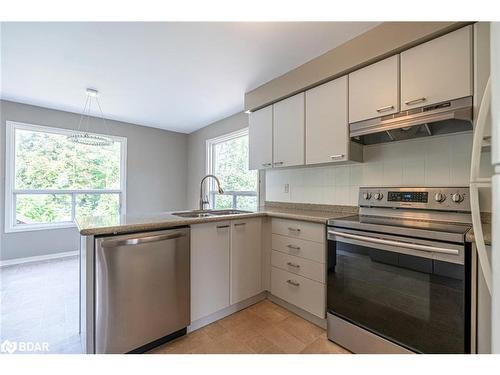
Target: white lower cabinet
(226,264)
(300,266)
(246,259)
(210,252)
(307,294)
(298,269)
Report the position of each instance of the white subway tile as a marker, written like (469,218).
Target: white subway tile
(342,176)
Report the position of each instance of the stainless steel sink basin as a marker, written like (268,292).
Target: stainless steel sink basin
(208,213)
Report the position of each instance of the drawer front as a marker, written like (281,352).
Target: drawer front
(307,294)
(300,266)
(299,229)
(305,249)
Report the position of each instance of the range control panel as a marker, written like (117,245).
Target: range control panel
(435,198)
(408,196)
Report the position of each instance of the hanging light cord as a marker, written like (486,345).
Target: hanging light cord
(83,136)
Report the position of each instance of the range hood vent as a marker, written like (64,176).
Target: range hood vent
(448,117)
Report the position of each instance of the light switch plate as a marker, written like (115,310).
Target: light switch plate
(286,188)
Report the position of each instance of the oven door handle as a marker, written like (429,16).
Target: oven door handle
(406,245)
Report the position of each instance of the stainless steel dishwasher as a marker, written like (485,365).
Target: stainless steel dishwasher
(142,290)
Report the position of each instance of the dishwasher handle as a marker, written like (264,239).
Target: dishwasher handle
(141,240)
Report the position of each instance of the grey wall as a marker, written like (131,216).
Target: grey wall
(156,176)
(197,151)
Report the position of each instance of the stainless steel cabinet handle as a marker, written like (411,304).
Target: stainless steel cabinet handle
(293,247)
(278,163)
(415,101)
(294,229)
(137,241)
(222,226)
(385,109)
(337,156)
(294,283)
(267,164)
(406,245)
(239,224)
(293,265)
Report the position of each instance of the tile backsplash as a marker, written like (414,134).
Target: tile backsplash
(436,161)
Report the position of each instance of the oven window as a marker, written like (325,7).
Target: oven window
(416,302)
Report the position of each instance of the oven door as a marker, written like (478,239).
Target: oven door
(412,292)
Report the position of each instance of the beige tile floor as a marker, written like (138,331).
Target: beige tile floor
(264,328)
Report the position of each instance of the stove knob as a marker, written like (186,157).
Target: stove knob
(439,197)
(379,196)
(367,196)
(457,198)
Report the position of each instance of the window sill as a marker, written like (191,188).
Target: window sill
(36,227)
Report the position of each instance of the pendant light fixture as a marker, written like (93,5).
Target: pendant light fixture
(82,135)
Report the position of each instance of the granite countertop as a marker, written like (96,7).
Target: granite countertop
(117,224)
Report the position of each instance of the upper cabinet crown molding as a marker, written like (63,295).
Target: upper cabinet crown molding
(374,90)
(438,70)
(288,132)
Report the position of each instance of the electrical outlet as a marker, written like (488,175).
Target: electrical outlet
(286,188)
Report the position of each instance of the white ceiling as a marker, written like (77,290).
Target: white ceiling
(175,76)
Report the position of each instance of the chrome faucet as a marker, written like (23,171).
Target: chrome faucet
(204,198)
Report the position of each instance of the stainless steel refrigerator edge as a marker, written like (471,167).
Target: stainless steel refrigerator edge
(142,288)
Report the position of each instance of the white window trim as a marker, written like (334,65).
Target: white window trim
(209,143)
(10,191)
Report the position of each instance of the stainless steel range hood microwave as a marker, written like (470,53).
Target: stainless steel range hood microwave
(447,117)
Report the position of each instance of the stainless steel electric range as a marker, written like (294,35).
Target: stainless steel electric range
(400,272)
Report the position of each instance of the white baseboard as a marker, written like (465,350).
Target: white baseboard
(12,262)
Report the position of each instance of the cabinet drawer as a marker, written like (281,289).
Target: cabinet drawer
(307,294)
(305,249)
(300,266)
(299,229)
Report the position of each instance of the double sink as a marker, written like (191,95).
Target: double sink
(209,213)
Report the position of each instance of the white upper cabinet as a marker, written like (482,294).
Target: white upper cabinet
(374,90)
(327,133)
(246,259)
(260,139)
(288,132)
(438,70)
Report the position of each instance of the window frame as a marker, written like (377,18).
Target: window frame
(210,149)
(11,192)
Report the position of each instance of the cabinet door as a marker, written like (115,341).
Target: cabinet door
(327,133)
(260,138)
(374,90)
(246,259)
(438,70)
(288,132)
(210,244)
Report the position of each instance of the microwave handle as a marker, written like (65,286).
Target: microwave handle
(405,245)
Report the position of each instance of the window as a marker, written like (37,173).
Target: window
(227,158)
(50,180)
